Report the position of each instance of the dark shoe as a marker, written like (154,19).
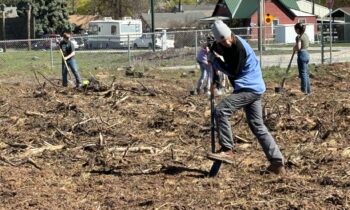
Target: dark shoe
(224,155)
(276,168)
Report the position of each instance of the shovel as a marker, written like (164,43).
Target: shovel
(281,88)
(65,63)
(217,163)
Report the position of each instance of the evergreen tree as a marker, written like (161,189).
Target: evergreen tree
(9,2)
(51,16)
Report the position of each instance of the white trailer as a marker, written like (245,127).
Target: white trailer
(109,33)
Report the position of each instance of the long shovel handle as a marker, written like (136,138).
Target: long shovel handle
(287,71)
(65,63)
(212,120)
(214,170)
(290,62)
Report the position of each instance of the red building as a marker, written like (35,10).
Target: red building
(284,12)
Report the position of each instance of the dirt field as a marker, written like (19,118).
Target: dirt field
(141,142)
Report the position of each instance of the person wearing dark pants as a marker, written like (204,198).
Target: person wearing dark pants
(234,57)
(301,46)
(68,50)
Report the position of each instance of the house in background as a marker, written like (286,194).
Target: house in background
(181,18)
(341,20)
(286,13)
(15,26)
(319,10)
(81,22)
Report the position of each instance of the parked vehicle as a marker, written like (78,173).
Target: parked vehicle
(47,41)
(162,41)
(109,33)
(78,43)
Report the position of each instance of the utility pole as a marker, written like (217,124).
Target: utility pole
(260,32)
(152,17)
(330,7)
(29,14)
(331,35)
(73,6)
(313,7)
(120,9)
(2,8)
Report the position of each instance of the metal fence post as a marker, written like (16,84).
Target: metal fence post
(322,43)
(260,33)
(196,46)
(51,54)
(330,36)
(4,28)
(129,53)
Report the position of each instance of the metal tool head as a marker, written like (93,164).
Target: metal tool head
(279,90)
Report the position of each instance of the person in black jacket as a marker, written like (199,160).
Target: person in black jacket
(68,50)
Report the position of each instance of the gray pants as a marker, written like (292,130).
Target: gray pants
(251,103)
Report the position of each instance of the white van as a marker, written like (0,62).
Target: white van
(109,33)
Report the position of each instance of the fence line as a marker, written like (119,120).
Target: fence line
(173,49)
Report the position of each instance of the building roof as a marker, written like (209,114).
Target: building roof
(239,8)
(306,6)
(340,12)
(245,8)
(290,4)
(82,20)
(169,20)
(301,14)
(212,19)
(191,14)
(195,7)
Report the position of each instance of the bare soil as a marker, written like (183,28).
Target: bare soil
(140,143)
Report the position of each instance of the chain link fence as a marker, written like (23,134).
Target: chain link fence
(173,50)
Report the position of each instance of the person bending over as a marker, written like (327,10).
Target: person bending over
(242,67)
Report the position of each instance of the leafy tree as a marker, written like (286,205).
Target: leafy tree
(51,16)
(119,8)
(84,7)
(10,2)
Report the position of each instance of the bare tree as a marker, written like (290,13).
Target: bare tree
(121,8)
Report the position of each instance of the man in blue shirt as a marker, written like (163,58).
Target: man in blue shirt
(234,57)
(68,50)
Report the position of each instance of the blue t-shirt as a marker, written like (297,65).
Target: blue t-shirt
(242,67)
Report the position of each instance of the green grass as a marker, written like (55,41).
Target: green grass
(23,62)
(276,74)
(94,61)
